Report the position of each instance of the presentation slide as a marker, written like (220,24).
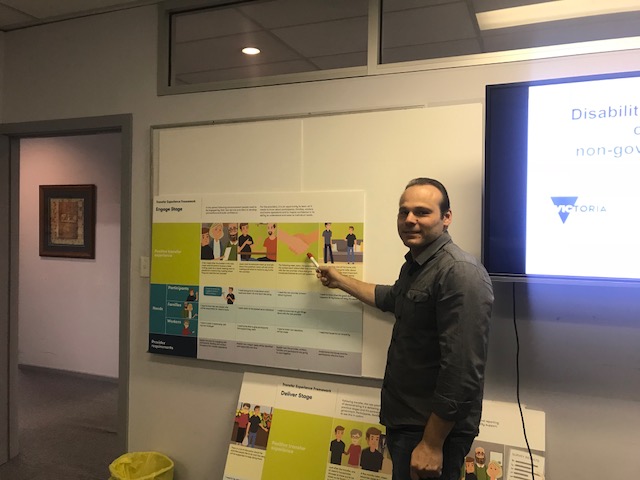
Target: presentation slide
(233,279)
(582,179)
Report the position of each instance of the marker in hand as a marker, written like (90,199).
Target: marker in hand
(312,258)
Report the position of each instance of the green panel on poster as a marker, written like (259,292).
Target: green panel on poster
(175,253)
(296,446)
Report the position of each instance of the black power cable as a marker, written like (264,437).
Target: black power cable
(515,328)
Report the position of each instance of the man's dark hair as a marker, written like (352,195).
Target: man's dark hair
(445,205)
(372,431)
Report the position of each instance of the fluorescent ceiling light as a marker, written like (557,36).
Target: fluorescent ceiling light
(251,51)
(551,11)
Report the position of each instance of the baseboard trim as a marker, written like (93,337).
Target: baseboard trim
(69,373)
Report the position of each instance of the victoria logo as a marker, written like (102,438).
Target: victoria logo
(568,205)
(564,206)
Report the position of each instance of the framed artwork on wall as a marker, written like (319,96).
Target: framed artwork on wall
(68,221)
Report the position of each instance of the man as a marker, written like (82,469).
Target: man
(469,469)
(242,419)
(230,296)
(245,241)
(351,243)
(371,458)
(431,398)
(255,422)
(480,466)
(193,295)
(270,244)
(327,234)
(337,446)
(353,452)
(232,229)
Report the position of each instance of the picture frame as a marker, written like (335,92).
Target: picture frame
(68,221)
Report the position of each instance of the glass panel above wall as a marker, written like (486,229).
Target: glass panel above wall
(292,36)
(429,29)
(201,42)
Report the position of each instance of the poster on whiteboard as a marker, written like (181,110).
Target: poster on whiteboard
(232,279)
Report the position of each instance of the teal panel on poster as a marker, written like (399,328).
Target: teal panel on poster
(158,302)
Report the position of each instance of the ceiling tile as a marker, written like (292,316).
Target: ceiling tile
(427,25)
(432,50)
(211,24)
(344,60)
(284,13)
(395,5)
(225,52)
(9,16)
(253,71)
(489,5)
(327,38)
(58,8)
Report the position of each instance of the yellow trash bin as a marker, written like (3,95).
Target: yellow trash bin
(142,466)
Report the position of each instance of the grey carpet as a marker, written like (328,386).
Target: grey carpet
(67,427)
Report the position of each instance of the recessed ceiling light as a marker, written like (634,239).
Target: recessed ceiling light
(251,51)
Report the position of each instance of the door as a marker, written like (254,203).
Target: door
(10,135)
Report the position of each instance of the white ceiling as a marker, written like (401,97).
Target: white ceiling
(21,13)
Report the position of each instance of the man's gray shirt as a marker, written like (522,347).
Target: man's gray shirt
(442,303)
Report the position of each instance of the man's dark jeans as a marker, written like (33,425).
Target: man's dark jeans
(402,441)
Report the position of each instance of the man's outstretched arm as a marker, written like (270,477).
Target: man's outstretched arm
(363,291)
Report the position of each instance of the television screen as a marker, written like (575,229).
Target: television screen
(562,178)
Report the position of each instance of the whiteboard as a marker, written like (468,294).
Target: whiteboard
(376,152)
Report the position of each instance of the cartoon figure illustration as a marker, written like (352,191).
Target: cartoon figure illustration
(187,311)
(494,470)
(354,449)
(351,243)
(480,467)
(270,244)
(242,419)
(206,252)
(216,233)
(371,458)
(193,296)
(185,330)
(230,296)
(255,422)
(326,234)
(245,240)
(337,446)
(469,469)
(232,230)
(266,420)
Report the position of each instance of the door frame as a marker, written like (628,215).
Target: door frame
(10,136)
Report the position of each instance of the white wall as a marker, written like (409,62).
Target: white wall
(107,64)
(69,307)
